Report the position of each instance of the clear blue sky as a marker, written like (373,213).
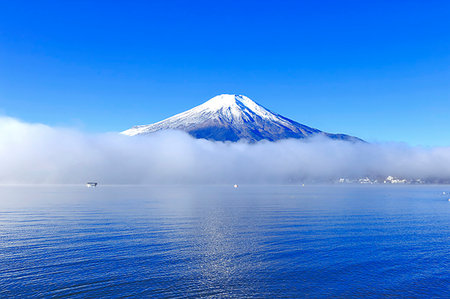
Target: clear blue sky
(379,70)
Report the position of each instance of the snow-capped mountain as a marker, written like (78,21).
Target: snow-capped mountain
(230,117)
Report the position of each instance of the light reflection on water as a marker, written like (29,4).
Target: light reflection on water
(254,241)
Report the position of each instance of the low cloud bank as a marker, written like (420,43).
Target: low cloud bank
(35,153)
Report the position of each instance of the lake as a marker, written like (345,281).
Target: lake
(218,241)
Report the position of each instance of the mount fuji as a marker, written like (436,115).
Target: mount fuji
(230,117)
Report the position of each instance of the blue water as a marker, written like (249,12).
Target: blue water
(217,241)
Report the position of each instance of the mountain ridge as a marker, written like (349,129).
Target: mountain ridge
(231,117)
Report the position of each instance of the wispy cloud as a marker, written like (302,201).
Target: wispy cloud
(36,153)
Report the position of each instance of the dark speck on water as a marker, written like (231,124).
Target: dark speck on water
(216,241)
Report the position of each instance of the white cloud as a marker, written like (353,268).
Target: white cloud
(35,153)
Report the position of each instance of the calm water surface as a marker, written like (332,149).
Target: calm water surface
(217,241)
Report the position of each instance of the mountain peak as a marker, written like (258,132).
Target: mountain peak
(235,107)
(232,117)
(224,100)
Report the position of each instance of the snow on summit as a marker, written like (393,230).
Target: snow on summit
(230,117)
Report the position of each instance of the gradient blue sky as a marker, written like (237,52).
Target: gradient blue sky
(379,70)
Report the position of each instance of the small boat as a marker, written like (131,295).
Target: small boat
(235,186)
(91,184)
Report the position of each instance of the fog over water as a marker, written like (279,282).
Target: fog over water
(36,153)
